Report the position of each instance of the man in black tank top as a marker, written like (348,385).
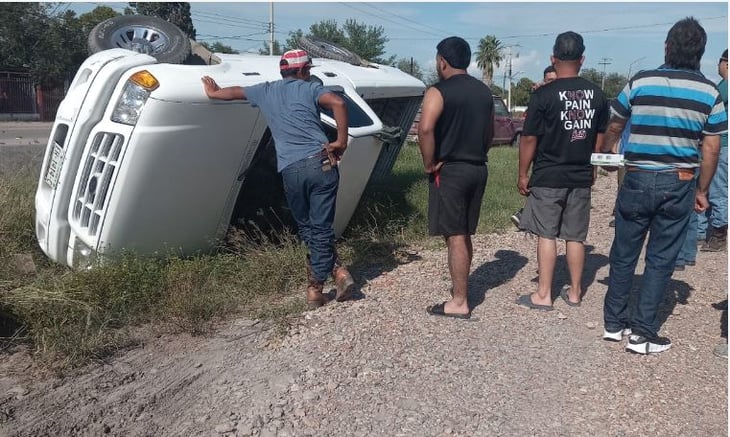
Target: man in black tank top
(454,134)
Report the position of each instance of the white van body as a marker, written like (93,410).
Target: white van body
(168,179)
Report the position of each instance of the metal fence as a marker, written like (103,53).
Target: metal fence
(20,96)
(17,93)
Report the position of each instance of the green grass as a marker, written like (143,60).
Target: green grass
(73,316)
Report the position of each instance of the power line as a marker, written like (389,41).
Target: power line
(440,31)
(386,19)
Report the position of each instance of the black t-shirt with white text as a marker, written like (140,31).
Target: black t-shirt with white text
(565,115)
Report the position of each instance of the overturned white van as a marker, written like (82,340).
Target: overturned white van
(140,159)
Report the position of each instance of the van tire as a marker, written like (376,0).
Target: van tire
(319,48)
(145,34)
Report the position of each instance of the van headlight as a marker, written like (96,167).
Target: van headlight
(84,257)
(134,95)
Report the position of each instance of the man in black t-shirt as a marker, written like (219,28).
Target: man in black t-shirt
(565,123)
(454,134)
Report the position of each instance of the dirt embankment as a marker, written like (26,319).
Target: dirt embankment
(381,366)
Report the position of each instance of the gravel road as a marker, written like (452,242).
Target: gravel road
(381,366)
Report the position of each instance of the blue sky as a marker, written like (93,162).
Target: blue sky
(626,36)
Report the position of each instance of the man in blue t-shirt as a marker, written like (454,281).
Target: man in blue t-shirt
(716,221)
(305,159)
(660,188)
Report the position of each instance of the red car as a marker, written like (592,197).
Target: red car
(507,129)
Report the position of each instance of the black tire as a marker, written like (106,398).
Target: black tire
(318,48)
(516,139)
(141,33)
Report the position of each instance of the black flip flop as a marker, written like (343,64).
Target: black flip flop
(564,295)
(438,310)
(526,301)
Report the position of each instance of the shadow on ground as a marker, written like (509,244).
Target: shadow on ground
(492,274)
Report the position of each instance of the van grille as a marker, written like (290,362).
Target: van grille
(97,173)
(395,112)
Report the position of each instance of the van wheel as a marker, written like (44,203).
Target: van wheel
(143,34)
(516,140)
(319,48)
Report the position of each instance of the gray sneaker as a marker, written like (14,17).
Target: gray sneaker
(616,336)
(516,217)
(647,345)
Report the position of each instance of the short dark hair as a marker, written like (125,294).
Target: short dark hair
(568,46)
(289,73)
(548,69)
(685,44)
(724,56)
(455,51)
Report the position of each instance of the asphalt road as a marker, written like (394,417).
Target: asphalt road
(22,145)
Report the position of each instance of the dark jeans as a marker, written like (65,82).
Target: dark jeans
(311,192)
(659,204)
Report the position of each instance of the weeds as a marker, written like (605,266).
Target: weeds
(78,315)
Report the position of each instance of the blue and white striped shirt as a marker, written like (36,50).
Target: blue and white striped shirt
(670,110)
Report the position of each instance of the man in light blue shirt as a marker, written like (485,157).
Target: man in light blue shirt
(305,159)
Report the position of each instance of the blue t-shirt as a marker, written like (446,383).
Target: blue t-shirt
(722,87)
(292,112)
(670,110)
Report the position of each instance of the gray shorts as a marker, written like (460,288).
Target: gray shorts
(557,213)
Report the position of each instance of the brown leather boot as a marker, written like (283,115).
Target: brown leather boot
(343,282)
(315,297)
(717,240)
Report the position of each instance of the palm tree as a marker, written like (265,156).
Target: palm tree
(489,55)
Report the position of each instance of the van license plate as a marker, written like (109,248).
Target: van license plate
(54,166)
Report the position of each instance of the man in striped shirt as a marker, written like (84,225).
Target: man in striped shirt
(670,108)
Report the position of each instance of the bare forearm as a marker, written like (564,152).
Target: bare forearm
(340,113)
(710,153)
(427,145)
(227,93)
(527,154)
(612,135)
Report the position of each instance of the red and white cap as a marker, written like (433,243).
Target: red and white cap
(294,59)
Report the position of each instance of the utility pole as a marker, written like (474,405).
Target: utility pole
(604,62)
(271,28)
(509,74)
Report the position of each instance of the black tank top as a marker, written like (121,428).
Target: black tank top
(465,127)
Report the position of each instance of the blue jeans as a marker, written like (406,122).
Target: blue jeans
(659,204)
(718,192)
(688,253)
(311,192)
(716,214)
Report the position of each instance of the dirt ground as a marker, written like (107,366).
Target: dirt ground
(380,365)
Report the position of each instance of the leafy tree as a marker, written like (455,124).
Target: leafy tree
(177,13)
(431,77)
(613,83)
(277,49)
(50,47)
(366,41)
(521,92)
(410,66)
(489,55)
(292,42)
(219,47)
(88,20)
(328,31)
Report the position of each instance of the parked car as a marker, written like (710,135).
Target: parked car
(140,159)
(507,129)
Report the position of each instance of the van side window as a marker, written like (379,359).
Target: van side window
(356,117)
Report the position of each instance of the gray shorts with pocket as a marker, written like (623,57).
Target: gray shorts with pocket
(557,213)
